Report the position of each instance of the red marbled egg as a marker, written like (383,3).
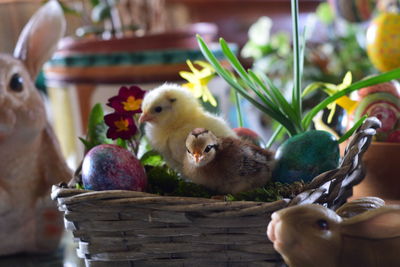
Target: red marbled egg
(110,167)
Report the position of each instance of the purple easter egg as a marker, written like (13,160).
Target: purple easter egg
(110,167)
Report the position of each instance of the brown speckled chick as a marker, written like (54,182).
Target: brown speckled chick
(226,165)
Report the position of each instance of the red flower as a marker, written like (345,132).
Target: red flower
(120,126)
(128,100)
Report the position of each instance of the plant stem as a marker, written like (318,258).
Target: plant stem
(296,98)
(238,109)
(274,136)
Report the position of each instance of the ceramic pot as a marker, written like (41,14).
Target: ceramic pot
(150,58)
(382,161)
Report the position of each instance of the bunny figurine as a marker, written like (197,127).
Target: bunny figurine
(30,157)
(312,235)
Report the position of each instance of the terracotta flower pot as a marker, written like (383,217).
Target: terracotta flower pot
(382,179)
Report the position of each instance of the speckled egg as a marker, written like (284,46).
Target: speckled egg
(383,41)
(353,10)
(304,156)
(110,167)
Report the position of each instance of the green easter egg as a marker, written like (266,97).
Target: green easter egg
(304,156)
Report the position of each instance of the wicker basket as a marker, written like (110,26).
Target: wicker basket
(128,228)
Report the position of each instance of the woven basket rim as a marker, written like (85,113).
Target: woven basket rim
(310,194)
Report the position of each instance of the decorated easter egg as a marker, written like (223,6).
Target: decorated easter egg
(353,10)
(110,167)
(383,41)
(388,5)
(249,135)
(385,107)
(392,87)
(304,156)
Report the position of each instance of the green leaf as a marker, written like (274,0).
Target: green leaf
(97,129)
(245,76)
(296,94)
(302,51)
(96,117)
(227,76)
(381,78)
(276,133)
(152,158)
(122,143)
(352,130)
(277,95)
(238,109)
(267,92)
(235,62)
(265,98)
(248,80)
(87,144)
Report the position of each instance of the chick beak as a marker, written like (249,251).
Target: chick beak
(197,157)
(145,117)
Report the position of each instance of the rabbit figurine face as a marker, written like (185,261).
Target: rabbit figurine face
(22,114)
(302,228)
(30,157)
(312,235)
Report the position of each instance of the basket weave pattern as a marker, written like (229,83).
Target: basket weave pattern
(128,228)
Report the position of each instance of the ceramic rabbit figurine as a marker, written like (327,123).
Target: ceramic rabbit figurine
(30,157)
(312,235)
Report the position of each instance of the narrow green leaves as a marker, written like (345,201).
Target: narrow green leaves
(352,130)
(267,106)
(296,97)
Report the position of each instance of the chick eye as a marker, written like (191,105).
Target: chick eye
(208,148)
(158,109)
(323,224)
(16,83)
(187,149)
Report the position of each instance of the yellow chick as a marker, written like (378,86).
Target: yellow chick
(171,113)
(226,165)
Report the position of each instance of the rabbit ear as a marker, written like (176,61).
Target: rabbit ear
(40,36)
(379,223)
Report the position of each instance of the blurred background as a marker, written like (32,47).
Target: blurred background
(111,43)
(105,30)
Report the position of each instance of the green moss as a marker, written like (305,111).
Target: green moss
(166,182)
(270,192)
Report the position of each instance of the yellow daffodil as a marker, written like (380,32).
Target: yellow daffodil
(198,80)
(329,88)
